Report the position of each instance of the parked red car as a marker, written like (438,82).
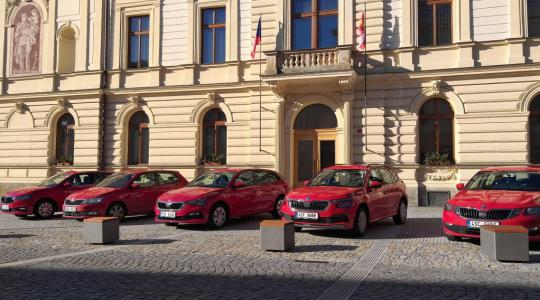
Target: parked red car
(47,197)
(125,193)
(495,196)
(219,195)
(347,197)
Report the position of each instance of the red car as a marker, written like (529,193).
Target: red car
(217,196)
(125,193)
(47,197)
(495,196)
(347,197)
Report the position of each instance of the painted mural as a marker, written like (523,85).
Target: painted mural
(26,41)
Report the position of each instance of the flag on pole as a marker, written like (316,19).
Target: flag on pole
(257,40)
(361,34)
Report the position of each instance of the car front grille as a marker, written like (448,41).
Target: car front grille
(494,214)
(73,202)
(6,199)
(170,205)
(308,205)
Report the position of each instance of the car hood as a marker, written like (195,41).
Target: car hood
(321,192)
(499,199)
(26,190)
(92,192)
(189,193)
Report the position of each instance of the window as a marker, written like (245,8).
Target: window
(138,36)
(65,139)
(434,22)
(314,24)
(213,35)
(265,177)
(167,178)
(138,139)
(214,137)
(436,130)
(376,175)
(146,180)
(534,131)
(533,12)
(248,178)
(83,179)
(67,50)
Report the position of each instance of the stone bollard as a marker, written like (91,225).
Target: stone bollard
(505,243)
(101,230)
(277,235)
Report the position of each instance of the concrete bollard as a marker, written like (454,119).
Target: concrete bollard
(505,243)
(101,230)
(277,235)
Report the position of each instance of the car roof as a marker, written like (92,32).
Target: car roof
(513,168)
(236,170)
(138,171)
(348,167)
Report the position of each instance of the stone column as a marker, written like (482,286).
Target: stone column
(517,39)
(81,62)
(348,99)
(279,106)
(408,21)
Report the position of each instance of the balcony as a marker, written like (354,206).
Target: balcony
(312,67)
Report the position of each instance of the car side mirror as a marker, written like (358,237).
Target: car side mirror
(375,184)
(306,182)
(460,186)
(67,184)
(239,184)
(135,185)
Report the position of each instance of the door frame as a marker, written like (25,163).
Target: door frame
(316,135)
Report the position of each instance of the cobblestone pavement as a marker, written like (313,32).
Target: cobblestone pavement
(47,259)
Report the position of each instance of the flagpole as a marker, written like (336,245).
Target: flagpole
(260,89)
(365,76)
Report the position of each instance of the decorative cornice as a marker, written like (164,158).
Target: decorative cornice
(277,90)
(20,107)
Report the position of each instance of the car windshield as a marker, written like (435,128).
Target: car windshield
(116,180)
(54,180)
(505,180)
(214,179)
(344,178)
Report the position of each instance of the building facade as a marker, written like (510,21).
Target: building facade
(448,87)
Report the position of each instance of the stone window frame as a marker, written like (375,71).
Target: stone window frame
(526,19)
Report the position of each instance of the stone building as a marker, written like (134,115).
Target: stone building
(171,84)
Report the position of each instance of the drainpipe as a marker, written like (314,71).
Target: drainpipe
(104,84)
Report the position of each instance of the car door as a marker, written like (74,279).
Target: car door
(392,192)
(167,181)
(242,200)
(266,193)
(376,196)
(76,183)
(143,197)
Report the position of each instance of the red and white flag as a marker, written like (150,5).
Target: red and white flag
(361,34)
(257,40)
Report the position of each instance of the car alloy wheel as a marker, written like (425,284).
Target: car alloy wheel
(116,210)
(218,216)
(361,224)
(401,217)
(276,213)
(45,209)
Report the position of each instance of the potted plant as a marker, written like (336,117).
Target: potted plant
(64,161)
(438,167)
(437,159)
(213,160)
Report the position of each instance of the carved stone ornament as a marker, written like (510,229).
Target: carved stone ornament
(345,84)
(213,98)
(20,107)
(436,86)
(135,101)
(440,173)
(277,90)
(62,103)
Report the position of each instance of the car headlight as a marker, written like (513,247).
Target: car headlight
(449,207)
(343,203)
(93,200)
(533,211)
(23,197)
(198,202)
(515,212)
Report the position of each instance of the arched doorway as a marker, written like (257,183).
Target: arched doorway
(314,141)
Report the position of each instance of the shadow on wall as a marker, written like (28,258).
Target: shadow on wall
(390,38)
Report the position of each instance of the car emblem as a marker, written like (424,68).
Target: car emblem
(308,198)
(483,207)
(168,204)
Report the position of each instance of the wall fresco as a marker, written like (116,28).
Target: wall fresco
(26,54)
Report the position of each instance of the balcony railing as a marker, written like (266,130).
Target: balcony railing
(309,61)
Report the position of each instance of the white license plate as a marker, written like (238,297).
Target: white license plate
(477,224)
(167,214)
(5,207)
(305,215)
(70,208)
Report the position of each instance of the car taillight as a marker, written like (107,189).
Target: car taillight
(449,207)
(533,211)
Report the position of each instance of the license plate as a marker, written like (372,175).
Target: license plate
(70,208)
(304,215)
(167,214)
(477,224)
(5,207)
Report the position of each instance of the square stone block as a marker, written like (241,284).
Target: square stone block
(277,235)
(101,230)
(505,243)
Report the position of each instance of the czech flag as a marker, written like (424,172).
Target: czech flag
(257,40)
(361,33)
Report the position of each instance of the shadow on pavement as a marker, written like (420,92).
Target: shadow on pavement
(322,248)
(145,242)
(238,224)
(15,236)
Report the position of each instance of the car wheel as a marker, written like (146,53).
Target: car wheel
(361,222)
(276,213)
(116,210)
(453,238)
(218,216)
(44,209)
(401,216)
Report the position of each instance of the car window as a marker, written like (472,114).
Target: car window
(98,177)
(263,177)
(387,176)
(167,178)
(376,175)
(505,180)
(213,179)
(248,178)
(146,180)
(343,178)
(82,179)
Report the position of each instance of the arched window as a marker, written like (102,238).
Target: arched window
(214,137)
(316,116)
(534,131)
(138,143)
(66,50)
(65,138)
(436,132)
